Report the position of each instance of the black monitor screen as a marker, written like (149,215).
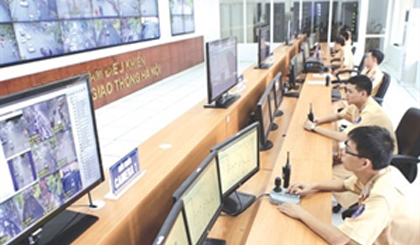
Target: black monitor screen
(263,44)
(49,154)
(174,230)
(264,115)
(238,158)
(202,197)
(221,67)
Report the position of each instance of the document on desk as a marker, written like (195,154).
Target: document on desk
(316,82)
(317,75)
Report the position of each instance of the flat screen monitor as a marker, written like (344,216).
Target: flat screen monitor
(49,154)
(222,70)
(202,197)
(174,230)
(279,87)
(263,45)
(299,65)
(306,51)
(238,159)
(264,117)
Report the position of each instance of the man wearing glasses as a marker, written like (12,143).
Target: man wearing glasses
(387,213)
(362,110)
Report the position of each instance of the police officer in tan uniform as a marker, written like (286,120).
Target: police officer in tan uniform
(388,212)
(363,110)
(372,70)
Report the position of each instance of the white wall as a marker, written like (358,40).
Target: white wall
(207,23)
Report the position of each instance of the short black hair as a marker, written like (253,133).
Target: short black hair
(378,55)
(362,82)
(374,143)
(340,41)
(345,34)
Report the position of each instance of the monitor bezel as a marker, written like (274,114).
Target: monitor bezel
(260,118)
(279,78)
(208,70)
(30,93)
(260,30)
(189,181)
(177,209)
(231,140)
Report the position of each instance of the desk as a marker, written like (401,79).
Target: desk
(311,160)
(138,215)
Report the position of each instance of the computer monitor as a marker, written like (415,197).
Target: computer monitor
(174,230)
(306,51)
(263,47)
(279,87)
(202,197)
(238,160)
(300,65)
(264,117)
(289,33)
(222,72)
(291,83)
(49,158)
(273,104)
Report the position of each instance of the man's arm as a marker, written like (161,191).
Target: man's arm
(332,134)
(328,232)
(328,118)
(304,189)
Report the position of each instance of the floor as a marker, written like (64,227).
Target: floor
(127,122)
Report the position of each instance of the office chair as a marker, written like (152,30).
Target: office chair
(356,69)
(408,140)
(386,80)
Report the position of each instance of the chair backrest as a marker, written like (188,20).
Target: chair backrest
(362,63)
(384,86)
(408,133)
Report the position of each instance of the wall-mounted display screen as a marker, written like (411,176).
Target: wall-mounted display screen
(38,29)
(182,16)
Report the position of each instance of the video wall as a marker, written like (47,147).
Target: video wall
(37,29)
(182,16)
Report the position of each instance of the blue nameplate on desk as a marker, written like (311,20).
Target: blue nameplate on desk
(123,172)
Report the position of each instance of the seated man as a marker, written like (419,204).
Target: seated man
(344,56)
(361,111)
(347,42)
(387,212)
(372,70)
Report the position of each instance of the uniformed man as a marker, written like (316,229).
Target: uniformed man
(387,212)
(362,110)
(344,56)
(372,70)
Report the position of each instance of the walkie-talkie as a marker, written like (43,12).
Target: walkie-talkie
(327,80)
(310,114)
(286,172)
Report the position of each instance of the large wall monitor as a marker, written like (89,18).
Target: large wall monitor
(182,16)
(32,30)
(49,154)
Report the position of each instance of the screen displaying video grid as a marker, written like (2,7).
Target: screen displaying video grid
(182,16)
(39,29)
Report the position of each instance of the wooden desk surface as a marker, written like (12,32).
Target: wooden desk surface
(311,160)
(138,215)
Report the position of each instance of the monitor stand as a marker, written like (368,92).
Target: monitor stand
(279,113)
(223,102)
(263,66)
(212,241)
(237,202)
(268,145)
(65,228)
(274,127)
